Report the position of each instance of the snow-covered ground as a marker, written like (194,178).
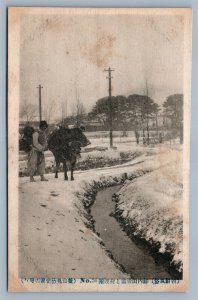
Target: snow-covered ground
(153,206)
(54,241)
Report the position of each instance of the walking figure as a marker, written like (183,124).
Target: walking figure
(36,159)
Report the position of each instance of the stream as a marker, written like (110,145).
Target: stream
(135,260)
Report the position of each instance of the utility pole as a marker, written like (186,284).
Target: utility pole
(109,70)
(147,115)
(40,107)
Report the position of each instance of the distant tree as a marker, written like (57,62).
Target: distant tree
(78,110)
(100,111)
(63,108)
(133,112)
(173,109)
(134,109)
(28,111)
(141,109)
(156,109)
(119,105)
(48,109)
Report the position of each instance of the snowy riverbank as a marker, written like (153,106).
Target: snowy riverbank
(55,240)
(151,207)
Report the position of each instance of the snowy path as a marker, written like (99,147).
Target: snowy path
(54,239)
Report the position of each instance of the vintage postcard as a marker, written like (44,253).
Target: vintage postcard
(98,149)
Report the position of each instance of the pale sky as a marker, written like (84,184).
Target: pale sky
(67,56)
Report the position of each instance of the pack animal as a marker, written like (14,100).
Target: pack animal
(65,144)
(26,141)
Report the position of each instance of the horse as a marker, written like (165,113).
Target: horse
(65,144)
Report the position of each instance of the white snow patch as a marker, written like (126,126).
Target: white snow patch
(154,206)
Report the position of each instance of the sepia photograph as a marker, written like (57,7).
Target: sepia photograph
(98,149)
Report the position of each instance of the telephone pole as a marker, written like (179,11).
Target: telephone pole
(40,107)
(147,115)
(109,70)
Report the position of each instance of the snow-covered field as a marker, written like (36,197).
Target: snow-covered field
(99,154)
(52,214)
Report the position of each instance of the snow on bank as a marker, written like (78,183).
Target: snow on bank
(152,206)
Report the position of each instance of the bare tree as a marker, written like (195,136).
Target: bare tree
(48,111)
(28,111)
(78,109)
(64,109)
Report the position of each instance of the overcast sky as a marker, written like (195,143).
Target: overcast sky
(67,55)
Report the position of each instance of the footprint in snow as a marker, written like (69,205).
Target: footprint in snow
(60,214)
(54,194)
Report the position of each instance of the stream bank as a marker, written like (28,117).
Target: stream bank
(89,198)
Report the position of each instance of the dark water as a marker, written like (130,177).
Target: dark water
(136,261)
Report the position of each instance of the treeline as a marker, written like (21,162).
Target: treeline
(127,112)
(141,114)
